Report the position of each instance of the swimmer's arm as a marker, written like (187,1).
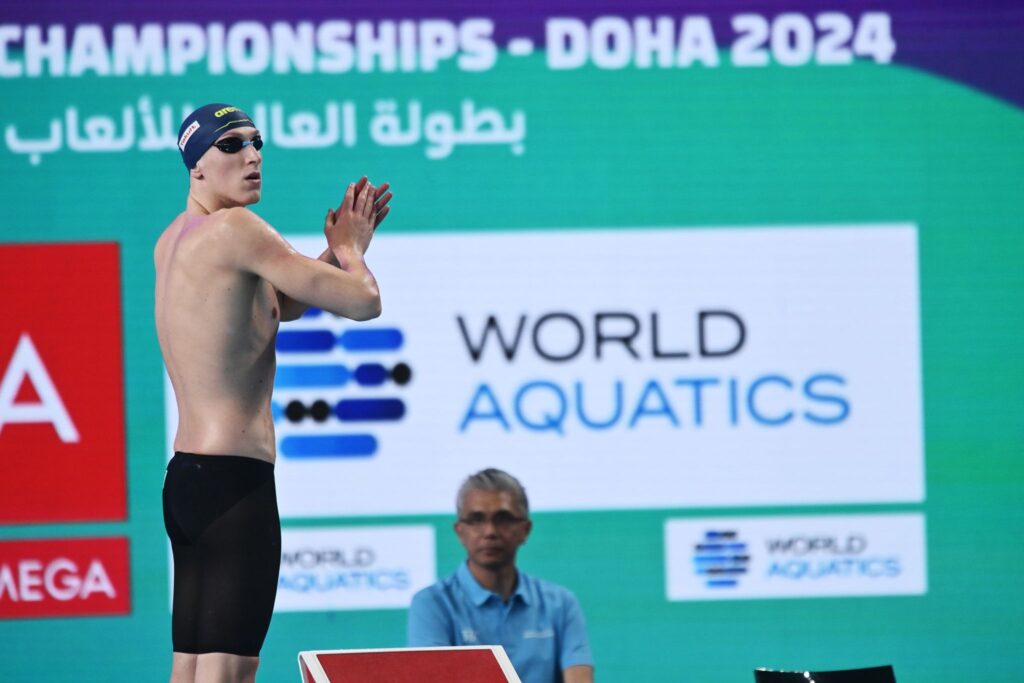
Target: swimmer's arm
(292,309)
(259,249)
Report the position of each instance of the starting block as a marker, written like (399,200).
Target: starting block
(466,664)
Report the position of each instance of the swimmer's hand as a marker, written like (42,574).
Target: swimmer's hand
(350,226)
(381,199)
(363,203)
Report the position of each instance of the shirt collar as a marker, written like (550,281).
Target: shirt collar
(479,595)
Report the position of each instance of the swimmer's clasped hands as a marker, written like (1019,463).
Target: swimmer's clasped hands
(363,208)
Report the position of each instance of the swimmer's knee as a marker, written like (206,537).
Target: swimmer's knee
(220,667)
(183,668)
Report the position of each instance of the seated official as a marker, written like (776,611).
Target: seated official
(488,601)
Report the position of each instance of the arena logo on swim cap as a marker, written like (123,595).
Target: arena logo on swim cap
(192,128)
(226,110)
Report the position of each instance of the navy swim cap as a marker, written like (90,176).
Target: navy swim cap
(201,128)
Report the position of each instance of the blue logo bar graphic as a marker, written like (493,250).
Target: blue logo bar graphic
(328,446)
(369,409)
(305,341)
(719,557)
(298,376)
(371,374)
(715,547)
(380,339)
(307,385)
(319,341)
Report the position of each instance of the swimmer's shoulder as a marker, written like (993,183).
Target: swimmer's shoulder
(235,225)
(227,237)
(205,233)
(237,237)
(165,239)
(244,228)
(237,218)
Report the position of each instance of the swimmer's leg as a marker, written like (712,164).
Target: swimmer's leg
(225,535)
(183,668)
(241,557)
(213,667)
(218,667)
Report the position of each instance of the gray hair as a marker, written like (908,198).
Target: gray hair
(492,479)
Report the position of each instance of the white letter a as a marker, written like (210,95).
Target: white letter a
(27,363)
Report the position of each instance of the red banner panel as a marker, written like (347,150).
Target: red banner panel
(62,432)
(64,577)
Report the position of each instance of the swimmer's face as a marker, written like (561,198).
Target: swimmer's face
(234,177)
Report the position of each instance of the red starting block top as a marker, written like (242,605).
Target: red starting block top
(470,664)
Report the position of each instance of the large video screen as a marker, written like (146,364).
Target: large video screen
(732,288)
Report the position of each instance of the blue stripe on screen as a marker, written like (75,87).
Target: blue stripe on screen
(328,446)
(721,546)
(305,341)
(379,339)
(721,570)
(369,409)
(293,376)
(371,374)
(719,558)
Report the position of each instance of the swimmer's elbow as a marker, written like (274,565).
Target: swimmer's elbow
(359,306)
(362,313)
(367,315)
(370,308)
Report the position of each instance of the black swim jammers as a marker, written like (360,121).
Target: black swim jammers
(221,516)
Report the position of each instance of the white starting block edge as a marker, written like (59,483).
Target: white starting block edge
(308,659)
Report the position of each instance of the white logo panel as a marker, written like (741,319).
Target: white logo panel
(795,557)
(347,568)
(612,369)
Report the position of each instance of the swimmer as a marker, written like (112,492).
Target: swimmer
(225,279)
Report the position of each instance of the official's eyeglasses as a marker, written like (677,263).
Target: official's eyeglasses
(500,520)
(233,145)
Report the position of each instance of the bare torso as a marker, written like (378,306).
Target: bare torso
(217,327)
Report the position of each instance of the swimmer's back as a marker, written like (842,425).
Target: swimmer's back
(216,323)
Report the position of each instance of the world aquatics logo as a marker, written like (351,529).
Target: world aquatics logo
(720,559)
(326,401)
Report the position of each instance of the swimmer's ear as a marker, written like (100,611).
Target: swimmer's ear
(195,172)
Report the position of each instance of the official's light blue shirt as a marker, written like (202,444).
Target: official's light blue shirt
(541,627)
